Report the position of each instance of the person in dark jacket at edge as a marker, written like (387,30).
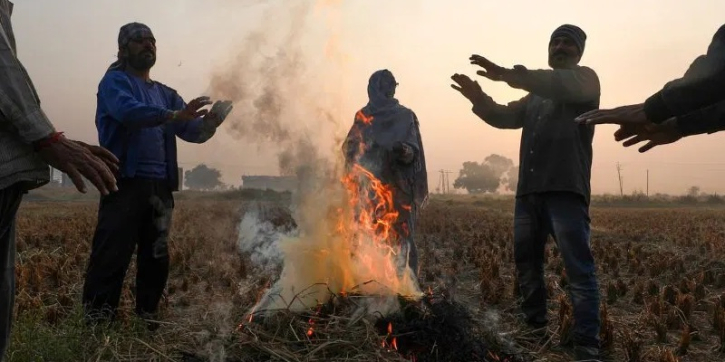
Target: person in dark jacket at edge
(553,192)
(691,105)
(138,119)
(385,140)
(29,143)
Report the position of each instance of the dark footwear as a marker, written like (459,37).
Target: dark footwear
(151,320)
(586,354)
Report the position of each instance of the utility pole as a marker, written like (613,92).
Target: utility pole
(619,174)
(647,182)
(444,181)
(448,180)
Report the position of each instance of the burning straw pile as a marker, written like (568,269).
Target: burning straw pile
(431,329)
(344,289)
(369,321)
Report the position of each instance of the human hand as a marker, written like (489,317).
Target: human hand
(103,154)
(218,113)
(655,134)
(469,88)
(78,159)
(403,152)
(630,115)
(192,110)
(491,70)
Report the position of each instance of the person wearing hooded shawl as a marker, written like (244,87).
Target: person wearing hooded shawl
(139,119)
(385,140)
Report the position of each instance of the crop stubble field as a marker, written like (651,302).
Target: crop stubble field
(662,278)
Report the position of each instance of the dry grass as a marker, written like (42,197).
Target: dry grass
(661,270)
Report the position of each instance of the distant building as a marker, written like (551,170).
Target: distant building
(275,183)
(56,177)
(67,182)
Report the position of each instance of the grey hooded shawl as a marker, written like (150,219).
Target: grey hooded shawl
(377,129)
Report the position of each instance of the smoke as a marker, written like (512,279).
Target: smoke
(258,237)
(271,84)
(283,82)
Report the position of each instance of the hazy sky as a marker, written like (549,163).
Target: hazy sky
(634,46)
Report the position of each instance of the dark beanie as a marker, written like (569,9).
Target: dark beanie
(125,34)
(572,32)
(133,30)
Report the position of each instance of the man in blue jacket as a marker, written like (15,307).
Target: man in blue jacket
(138,119)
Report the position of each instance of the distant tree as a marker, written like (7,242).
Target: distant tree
(693,191)
(203,177)
(511,181)
(477,178)
(499,164)
(488,176)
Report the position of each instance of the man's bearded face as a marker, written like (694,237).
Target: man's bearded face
(141,53)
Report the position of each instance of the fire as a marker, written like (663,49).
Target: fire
(347,243)
(363,118)
(311,321)
(250,317)
(393,341)
(376,215)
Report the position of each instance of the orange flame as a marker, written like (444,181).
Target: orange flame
(311,321)
(363,118)
(349,241)
(250,318)
(393,341)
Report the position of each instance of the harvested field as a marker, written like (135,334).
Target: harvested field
(662,281)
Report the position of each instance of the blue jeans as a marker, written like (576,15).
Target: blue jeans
(565,216)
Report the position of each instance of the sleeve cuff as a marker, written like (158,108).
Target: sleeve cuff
(34,126)
(655,109)
(692,124)
(479,109)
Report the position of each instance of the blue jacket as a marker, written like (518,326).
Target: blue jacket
(124,108)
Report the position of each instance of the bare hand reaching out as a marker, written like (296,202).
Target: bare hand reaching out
(78,159)
(192,110)
(625,115)
(494,72)
(654,134)
(491,70)
(469,88)
(218,113)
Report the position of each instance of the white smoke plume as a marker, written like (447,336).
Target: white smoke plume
(277,90)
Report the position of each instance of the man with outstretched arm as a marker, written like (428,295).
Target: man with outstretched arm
(691,105)
(139,119)
(553,193)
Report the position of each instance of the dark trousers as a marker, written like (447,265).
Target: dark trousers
(138,214)
(565,216)
(9,203)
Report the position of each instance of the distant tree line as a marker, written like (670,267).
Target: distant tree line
(494,173)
